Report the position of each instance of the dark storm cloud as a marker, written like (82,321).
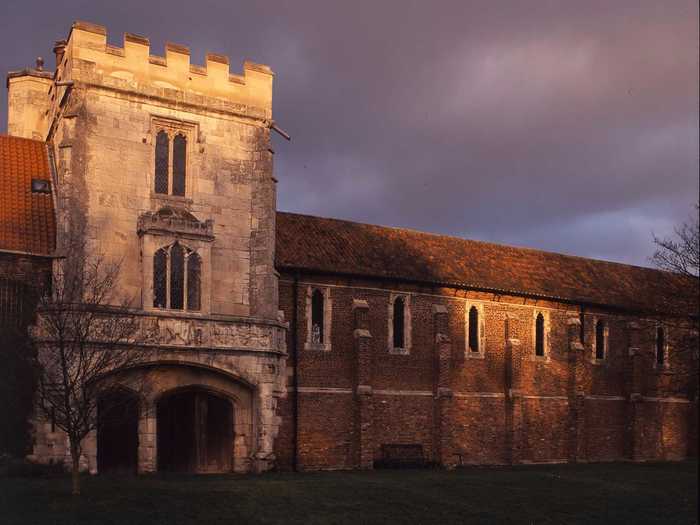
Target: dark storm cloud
(563,126)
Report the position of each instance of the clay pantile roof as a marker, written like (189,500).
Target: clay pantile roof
(27,221)
(349,248)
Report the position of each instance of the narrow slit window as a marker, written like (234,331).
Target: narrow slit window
(399,307)
(317,308)
(539,335)
(600,340)
(660,346)
(162,161)
(473,329)
(179,164)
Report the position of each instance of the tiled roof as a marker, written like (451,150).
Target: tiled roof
(349,248)
(27,221)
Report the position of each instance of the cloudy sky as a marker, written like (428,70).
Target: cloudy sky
(566,126)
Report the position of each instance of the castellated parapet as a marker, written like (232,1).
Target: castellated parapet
(133,68)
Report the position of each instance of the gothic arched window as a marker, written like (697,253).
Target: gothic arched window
(170,163)
(162,162)
(399,338)
(179,162)
(539,335)
(317,312)
(473,329)
(194,277)
(600,339)
(177,278)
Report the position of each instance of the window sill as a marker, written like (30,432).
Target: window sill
(474,355)
(169,312)
(399,351)
(317,347)
(598,362)
(540,358)
(171,198)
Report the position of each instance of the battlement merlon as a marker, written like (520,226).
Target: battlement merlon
(132,67)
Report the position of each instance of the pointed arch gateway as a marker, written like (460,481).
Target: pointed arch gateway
(195,431)
(117,432)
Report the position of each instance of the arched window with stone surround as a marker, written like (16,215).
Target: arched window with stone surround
(177,278)
(317,314)
(399,326)
(474,329)
(170,174)
(539,335)
(600,339)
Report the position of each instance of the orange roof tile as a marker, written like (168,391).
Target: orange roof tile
(27,220)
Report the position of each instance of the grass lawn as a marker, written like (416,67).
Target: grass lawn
(596,493)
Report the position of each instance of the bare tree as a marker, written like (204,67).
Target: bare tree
(85,335)
(681,253)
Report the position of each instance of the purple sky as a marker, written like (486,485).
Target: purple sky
(566,126)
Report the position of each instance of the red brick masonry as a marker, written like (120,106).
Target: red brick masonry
(503,404)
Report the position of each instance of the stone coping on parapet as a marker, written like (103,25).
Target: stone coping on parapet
(28,72)
(136,68)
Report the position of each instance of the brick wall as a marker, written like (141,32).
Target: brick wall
(501,405)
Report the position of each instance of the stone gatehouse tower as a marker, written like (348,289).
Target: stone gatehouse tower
(166,166)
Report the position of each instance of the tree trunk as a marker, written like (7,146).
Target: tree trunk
(75,473)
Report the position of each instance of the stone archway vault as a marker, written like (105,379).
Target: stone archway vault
(211,389)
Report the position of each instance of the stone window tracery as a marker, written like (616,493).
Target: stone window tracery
(177,278)
(172,139)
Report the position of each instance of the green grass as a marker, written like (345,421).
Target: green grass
(595,493)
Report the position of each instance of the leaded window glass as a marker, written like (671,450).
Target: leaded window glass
(160,276)
(162,161)
(194,271)
(179,164)
(177,278)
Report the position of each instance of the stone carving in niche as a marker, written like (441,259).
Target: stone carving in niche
(170,219)
(195,332)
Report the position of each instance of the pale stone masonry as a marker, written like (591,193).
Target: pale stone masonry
(100,115)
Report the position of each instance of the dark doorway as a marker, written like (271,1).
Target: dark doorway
(117,433)
(195,432)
